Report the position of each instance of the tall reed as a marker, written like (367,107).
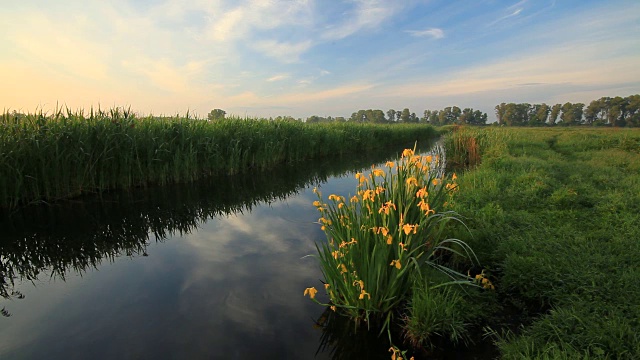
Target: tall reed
(47,157)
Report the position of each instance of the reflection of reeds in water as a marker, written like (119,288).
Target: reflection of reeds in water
(67,154)
(343,341)
(77,235)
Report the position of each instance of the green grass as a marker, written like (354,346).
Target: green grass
(44,158)
(555,215)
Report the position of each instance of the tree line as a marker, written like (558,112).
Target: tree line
(606,111)
(448,115)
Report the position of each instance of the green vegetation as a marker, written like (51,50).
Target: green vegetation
(555,217)
(388,243)
(67,154)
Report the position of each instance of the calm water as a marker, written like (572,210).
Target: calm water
(214,269)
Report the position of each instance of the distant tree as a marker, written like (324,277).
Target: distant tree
(542,113)
(577,111)
(567,115)
(391,115)
(617,111)
(633,110)
(313,119)
(444,115)
(455,115)
(357,116)
(555,111)
(479,118)
(216,114)
(466,117)
(510,114)
(433,118)
(376,116)
(591,112)
(572,113)
(405,116)
(500,110)
(427,116)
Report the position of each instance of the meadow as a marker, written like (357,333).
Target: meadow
(554,215)
(44,158)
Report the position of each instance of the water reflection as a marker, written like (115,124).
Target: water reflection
(223,275)
(341,340)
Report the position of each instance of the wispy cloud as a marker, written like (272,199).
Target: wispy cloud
(514,13)
(340,91)
(243,20)
(368,14)
(164,74)
(518,5)
(555,66)
(285,52)
(434,33)
(278,77)
(231,25)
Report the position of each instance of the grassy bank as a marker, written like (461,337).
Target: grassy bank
(67,154)
(555,216)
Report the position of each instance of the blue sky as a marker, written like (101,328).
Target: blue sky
(302,58)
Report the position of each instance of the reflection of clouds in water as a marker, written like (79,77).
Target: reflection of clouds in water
(248,276)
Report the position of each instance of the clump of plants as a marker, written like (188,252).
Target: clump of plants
(384,242)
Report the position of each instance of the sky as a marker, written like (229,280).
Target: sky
(264,58)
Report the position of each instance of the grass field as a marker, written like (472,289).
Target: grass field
(44,158)
(555,217)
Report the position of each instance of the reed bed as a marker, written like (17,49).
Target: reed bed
(465,145)
(48,157)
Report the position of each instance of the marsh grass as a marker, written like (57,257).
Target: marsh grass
(65,154)
(555,214)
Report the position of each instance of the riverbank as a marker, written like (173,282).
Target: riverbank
(554,217)
(46,158)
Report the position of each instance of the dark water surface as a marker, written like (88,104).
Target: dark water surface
(214,269)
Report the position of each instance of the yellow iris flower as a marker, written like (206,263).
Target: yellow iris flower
(311,292)
(363,294)
(412,181)
(368,195)
(409,228)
